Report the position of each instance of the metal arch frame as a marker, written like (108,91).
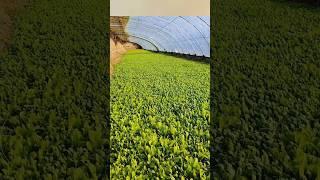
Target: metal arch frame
(203,36)
(150,29)
(154,42)
(189,39)
(150,26)
(186,38)
(181,47)
(168,22)
(153,26)
(143,39)
(198,46)
(208,41)
(164,29)
(204,21)
(196,27)
(159,44)
(183,34)
(167,37)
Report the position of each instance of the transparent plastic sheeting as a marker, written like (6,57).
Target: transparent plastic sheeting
(179,34)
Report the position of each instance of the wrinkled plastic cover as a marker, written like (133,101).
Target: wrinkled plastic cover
(179,34)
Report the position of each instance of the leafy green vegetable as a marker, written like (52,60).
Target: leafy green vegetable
(265,90)
(160,117)
(53,93)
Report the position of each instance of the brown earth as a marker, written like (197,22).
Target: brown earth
(117,49)
(8,9)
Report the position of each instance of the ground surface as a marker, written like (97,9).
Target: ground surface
(266,90)
(160,116)
(117,49)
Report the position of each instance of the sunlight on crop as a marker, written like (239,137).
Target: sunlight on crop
(159,117)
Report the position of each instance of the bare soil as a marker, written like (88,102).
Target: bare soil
(117,49)
(8,9)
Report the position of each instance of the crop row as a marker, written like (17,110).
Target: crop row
(159,117)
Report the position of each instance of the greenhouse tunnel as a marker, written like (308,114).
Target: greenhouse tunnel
(174,34)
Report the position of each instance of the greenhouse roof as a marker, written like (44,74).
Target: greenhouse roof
(178,34)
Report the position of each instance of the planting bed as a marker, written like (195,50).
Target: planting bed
(159,117)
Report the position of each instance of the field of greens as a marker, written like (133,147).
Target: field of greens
(266,90)
(159,117)
(53,93)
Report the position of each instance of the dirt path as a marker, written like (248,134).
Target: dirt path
(117,49)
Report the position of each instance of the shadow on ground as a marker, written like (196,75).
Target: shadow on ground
(200,59)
